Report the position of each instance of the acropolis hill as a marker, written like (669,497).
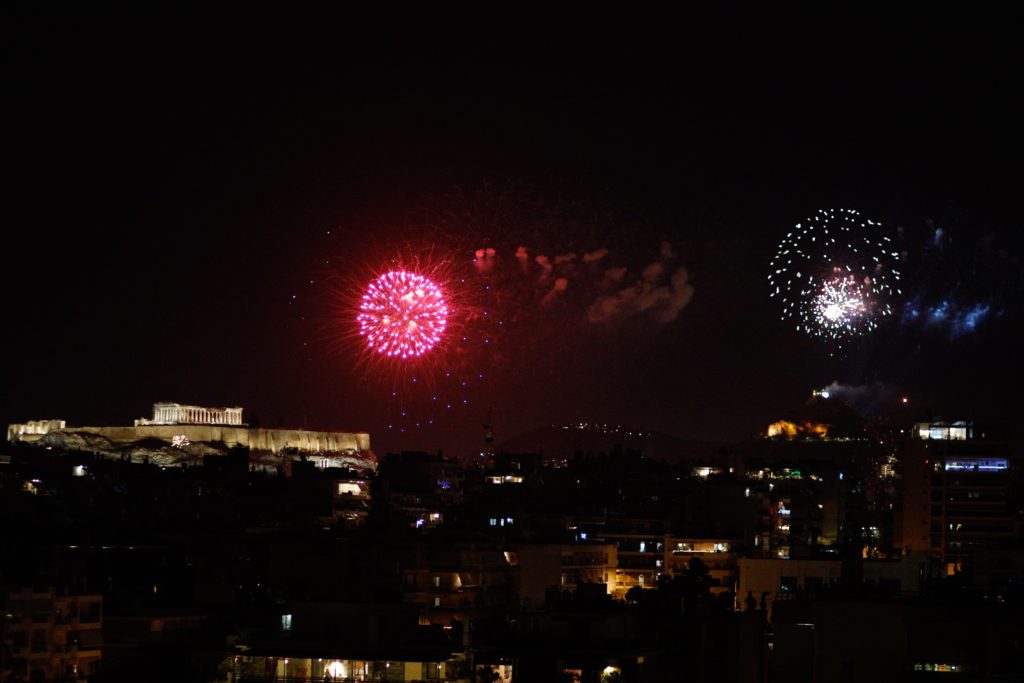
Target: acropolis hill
(179,435)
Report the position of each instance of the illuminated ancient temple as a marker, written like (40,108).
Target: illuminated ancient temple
(178,414)
(180,434)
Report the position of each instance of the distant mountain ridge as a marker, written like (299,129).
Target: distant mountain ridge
(561,442)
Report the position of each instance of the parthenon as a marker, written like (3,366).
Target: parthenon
(191,433)
(175,413)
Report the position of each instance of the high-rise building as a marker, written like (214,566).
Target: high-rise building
(955,485)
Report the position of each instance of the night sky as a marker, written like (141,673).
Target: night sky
(175,183)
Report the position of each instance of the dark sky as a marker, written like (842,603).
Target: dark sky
(171,180)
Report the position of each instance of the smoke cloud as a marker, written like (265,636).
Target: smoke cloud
(867,398)
(613,276)
(484,260)
(646,296)
(561,284)
(651,295)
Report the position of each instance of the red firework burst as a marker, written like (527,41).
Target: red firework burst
(402,315)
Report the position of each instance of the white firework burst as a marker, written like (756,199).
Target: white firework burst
(835,273)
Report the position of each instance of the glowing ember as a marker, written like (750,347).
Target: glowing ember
(402,315)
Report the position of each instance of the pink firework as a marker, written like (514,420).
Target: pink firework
(402,315)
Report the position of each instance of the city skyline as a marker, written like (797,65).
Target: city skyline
(597,349)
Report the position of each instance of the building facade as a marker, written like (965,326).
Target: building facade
(955,488)
(53,635)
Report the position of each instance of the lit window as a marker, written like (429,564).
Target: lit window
(286,622)
(437,602)
(437,582)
